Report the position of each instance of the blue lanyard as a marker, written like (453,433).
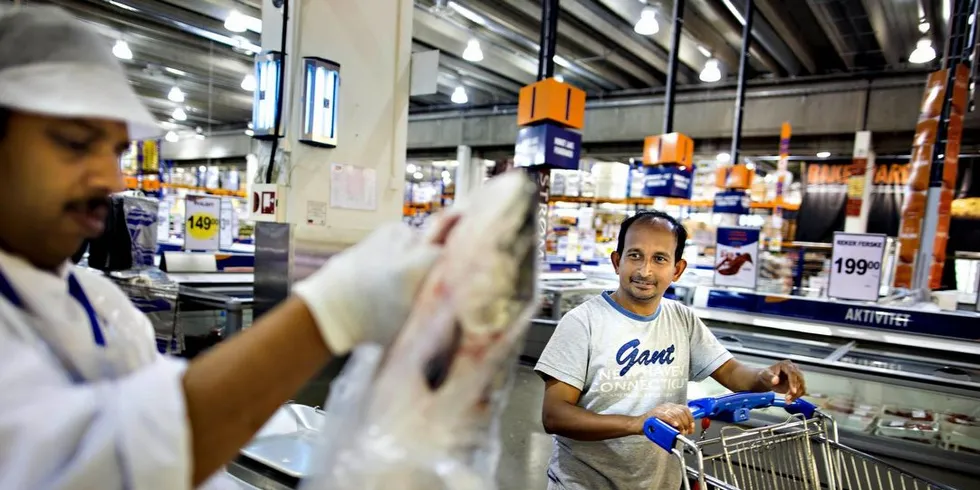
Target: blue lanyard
(74,289)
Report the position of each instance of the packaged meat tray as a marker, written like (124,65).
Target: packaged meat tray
(926,432)
(893,413)
(964,425)
(850,415)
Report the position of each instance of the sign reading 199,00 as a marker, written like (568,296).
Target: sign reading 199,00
(855,268)
(202,226)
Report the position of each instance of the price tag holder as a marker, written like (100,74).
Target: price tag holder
(201,223)
(855,266)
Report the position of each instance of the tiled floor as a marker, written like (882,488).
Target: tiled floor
(526,448)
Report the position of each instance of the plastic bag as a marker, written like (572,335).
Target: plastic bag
(425,414)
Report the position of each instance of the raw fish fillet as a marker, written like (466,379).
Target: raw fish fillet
(424,414)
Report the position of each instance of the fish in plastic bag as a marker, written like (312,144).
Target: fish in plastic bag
(424,414)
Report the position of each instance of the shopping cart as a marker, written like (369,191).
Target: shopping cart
(802,453)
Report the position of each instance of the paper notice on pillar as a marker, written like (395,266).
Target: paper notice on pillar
(353,187)
(736,257)
(226,236)
(316,213)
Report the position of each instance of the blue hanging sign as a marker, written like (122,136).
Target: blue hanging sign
(668,181)
(548,144)
(731,202)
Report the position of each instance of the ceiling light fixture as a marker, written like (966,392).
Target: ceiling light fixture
(647,25)
(248,83)
(171,137)
(823,154)
(236,22)
(249,132)
(558,77)
(703,50)
(175,71)
(923,53)
(121,50)
(179,114)
(711,72)
(411,168)
(417,175)
(924,27)
(123,6)
(723,156)
(176,95)
(459,96)
(473,53)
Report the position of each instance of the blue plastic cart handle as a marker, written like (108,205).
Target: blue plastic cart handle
(732,408)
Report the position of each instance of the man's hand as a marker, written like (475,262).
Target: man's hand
(677,416)
(783,377)
(365,293)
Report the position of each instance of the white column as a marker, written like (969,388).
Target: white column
(469,173)
(859,186)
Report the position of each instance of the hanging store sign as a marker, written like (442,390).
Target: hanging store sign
(855,266)
(548,144)
(731,202)
(737,257)
(668,181)
(202,225)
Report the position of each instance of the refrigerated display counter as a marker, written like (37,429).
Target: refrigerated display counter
(915,403)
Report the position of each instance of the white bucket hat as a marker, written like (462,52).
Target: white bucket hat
(54,64)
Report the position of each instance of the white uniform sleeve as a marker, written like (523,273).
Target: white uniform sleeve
(128,433)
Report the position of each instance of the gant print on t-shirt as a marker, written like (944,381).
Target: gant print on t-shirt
(630,355)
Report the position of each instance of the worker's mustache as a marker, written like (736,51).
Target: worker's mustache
(88,204)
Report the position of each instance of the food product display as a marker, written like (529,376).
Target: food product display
(927,432)
(968,208)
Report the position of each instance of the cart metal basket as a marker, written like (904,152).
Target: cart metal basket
(802,453)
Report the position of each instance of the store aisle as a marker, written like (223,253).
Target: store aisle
(526,447)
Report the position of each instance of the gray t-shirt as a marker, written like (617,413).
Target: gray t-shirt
(625,364)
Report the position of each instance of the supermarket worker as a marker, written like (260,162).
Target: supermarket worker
(628,355)
(86,402)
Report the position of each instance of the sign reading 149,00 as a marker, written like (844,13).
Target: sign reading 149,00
(202,226)
(855,267)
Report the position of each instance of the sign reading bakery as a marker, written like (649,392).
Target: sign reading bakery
(824,206)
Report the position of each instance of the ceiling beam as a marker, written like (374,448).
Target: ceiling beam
(495,33)
(216,9)
(579,44)
(775,13)
(431,31)
(890,27)
(718,15)
(826,21)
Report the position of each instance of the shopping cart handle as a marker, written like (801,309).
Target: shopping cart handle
(733,408)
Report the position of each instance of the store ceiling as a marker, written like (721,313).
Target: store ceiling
(186,42)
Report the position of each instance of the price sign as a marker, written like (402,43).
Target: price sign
(201,223)
(855,266)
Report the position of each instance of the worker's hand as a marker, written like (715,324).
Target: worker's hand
(365,293)
(677,416)
(783,377)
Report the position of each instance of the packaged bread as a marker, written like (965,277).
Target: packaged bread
(919,177)
(903,276)
(966,208)
(908,245)
(911,226)
(914,203)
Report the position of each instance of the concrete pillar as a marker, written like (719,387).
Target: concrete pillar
(336,196)
(469,173)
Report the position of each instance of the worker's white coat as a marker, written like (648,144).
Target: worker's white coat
(122,425)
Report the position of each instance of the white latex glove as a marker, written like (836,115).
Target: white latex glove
(365,293)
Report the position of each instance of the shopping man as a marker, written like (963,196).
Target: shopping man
(86,402)
(627,355)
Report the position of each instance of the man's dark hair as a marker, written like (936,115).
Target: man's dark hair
(680,233)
